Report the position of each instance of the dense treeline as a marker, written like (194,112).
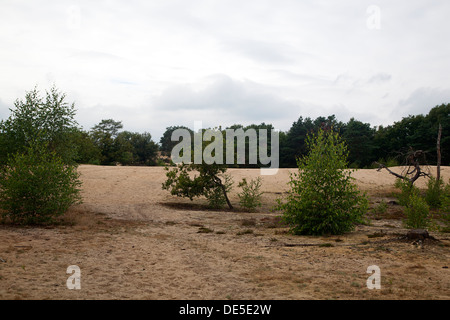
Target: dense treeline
(366,144)
(107,144)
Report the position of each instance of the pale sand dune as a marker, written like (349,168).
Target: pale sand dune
(133,240)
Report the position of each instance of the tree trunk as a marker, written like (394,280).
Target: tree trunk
(226,197)
(417,234)
(224,189)
(438,147)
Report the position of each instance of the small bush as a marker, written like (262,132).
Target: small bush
(445,199)
(417,212)
(433,195)
(250,197)
(407,189)
(215,195)
(381,208)
(36,186)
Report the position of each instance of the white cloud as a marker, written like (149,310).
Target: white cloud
(154,64)
(420,101)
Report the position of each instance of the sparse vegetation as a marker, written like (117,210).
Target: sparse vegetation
(417,212)
(407,189)
(250,197)
(381,207)
(434,192)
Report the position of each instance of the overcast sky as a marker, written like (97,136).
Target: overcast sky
(158,63)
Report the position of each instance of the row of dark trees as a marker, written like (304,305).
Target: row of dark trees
(366,144)
(107,144)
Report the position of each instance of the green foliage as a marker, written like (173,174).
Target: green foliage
(104,135)
(381,208)
(407,189)
(433,194)
(124,147)
(216,195)
(250,197)
(417,212)
(196,180)
(359,140)
(166,143)
(366,144)
(417,132)
(36,185)
(88,152)
(323,198)
(293,144)
(50,118)
(136,148)
(445,200)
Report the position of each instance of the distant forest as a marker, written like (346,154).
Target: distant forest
(105,144)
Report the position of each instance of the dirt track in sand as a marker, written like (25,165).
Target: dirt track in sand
(133,240)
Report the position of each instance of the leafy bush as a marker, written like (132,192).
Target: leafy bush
(250,197)
(216,196)
(381,208)
(407,189)
(445,199)
(50,119)
(37,186)
(323,198)
(417,212)
(209,181)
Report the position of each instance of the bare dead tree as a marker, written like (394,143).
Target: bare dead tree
(414,160)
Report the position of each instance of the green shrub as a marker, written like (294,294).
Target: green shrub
(417,212)
(250,197)
(381,208)
(36,186)
(445,200)
(407,189)
(216,196)
(433,195)
(208,180)
(323,198)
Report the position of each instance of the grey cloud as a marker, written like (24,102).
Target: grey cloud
(422,100)
(379,78)
(349,79)
(262,51)
(302,77)
(241,99)
(94,55)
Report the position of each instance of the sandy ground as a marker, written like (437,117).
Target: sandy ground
(133,240)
